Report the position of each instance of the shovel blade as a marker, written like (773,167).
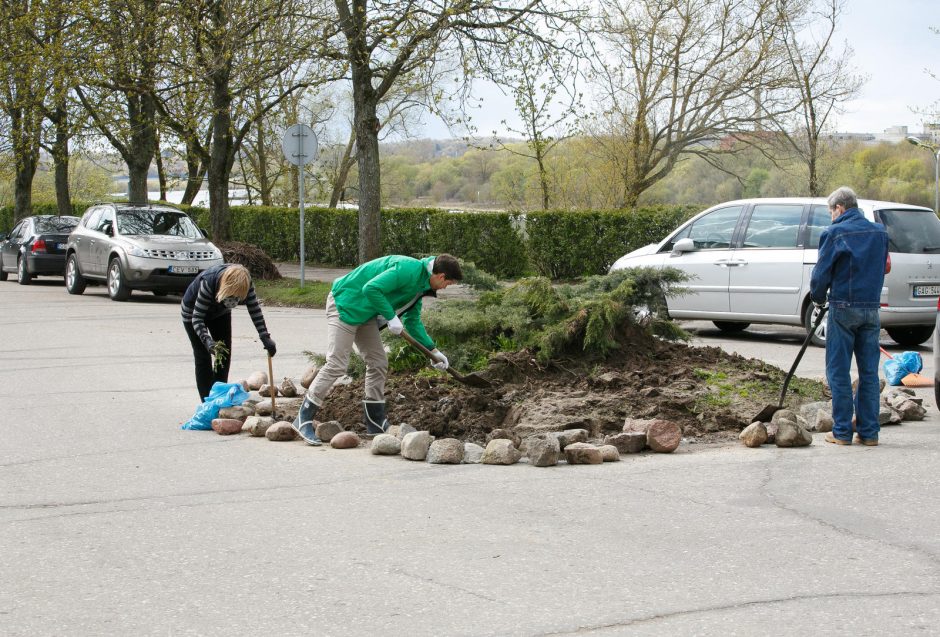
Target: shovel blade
(765,414)
(472,380)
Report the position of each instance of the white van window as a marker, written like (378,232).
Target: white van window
(911,231)
(773,226)
(715,230)
(819,220)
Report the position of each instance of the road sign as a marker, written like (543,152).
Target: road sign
(299,144)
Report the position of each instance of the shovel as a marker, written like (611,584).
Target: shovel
(272,386)
(471,380)
(769,410)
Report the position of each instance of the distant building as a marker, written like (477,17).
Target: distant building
(931,133)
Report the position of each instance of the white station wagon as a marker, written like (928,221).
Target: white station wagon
(750,262)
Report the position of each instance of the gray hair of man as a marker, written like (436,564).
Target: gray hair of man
(843,196)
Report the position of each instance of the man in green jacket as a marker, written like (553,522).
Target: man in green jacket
(385,292)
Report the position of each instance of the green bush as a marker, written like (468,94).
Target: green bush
(489,239)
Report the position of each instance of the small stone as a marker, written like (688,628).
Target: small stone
(263,408)
(637,424)
(610,379)
(415,445)
(446,451)
(280,431)
(649,392)
(236,413)
(287,388)
(393,431)
(265,390)
(754,435)
(910,410)
(583,453)
(663,436)
(326,430)
(783,414)
(771,432)
(570,436)
(309,374)
(226,426)
(344,440)
(404,429)
(790,434)
(472,453)
(256,380)
(610,453)
(542,451)
(500,451)
(824,422)
(632,442)
(386,445)
(507,434)
(258,425)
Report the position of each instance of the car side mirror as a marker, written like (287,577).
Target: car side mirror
(683,245)
(203,231)
(4,236)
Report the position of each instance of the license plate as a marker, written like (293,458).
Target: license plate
(927,290)
(61,246)
(183,269)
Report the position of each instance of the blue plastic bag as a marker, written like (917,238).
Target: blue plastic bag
(220,396)
(901,365)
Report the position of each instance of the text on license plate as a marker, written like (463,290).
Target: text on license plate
(61,246)
(927,290)
(194,269)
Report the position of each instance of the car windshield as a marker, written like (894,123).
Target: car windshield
(55,225)
(911,231)
(160,222)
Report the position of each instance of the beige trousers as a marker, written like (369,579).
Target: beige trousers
(341,337)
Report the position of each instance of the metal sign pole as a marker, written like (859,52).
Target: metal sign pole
(299,154)
(300,180)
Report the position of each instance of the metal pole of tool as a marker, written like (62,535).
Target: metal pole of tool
(300,147)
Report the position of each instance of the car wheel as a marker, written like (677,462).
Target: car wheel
(23,277)
(3,275)
(74,281)
(731,326)
(117,284)
(809,319)
(910,336)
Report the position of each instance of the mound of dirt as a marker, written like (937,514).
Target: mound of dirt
(711,394)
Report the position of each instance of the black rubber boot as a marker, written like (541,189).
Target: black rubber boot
(304,424)
(373,417)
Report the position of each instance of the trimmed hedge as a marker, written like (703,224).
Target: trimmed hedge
(6,212)
(559,244)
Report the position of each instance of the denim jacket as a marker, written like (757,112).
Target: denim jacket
(851,263)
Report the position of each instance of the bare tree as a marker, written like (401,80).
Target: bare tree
(678,76)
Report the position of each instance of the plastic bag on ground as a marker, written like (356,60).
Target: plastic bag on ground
(901,365)
(220,396)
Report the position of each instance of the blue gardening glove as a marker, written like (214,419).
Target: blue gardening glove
(441,361)
(269,345)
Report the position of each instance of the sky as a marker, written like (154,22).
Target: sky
(892,44)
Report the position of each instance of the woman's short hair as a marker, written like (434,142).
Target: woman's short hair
(235,281)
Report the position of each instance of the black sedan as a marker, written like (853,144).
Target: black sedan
(36,246)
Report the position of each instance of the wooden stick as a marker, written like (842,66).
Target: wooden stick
(272,387)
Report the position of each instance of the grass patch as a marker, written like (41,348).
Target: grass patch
(288,293)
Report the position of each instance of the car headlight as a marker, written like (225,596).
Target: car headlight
(216,253)
(136,251)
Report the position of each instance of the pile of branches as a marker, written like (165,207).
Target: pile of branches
(259,264)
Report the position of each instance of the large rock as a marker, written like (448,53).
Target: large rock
(610,453)
(287,388)
(236,413)
(326,430)
(791,434)
(500,451)
(542,451)
(344,440)
(637,424)
(446,451)
(280,431)
(257,426)
(809,410)
(754,435)
(506,434)
(256,380)
(571,436)
(663,436)
(264,408)
(266,390)
(472,453)
(909,409)
(386,445)
(632,442)
(823,422)
(226,426)
(583,453)
(771,432)
(309,374)
(783,414)
(404,429)
(415,445)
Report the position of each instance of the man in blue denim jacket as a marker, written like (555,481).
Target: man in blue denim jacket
(851,266)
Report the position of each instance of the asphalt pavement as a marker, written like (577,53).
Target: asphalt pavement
(116,522)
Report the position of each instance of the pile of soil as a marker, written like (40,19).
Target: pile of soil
(711,394)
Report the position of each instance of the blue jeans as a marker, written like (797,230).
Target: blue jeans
(851,331)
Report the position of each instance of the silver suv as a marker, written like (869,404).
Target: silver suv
(750,262)
(136,247)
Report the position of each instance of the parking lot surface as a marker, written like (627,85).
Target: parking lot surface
(116,522)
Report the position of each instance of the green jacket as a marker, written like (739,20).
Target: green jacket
(383,287)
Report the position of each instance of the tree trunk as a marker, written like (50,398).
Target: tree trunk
(60,157)
(23,186)
(370,187)
(142,113)
(161,173)
(24,136)
(221,158)
(195,172)
(543,177)
(345,164)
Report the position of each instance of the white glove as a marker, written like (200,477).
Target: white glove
(395,326)
(442,362)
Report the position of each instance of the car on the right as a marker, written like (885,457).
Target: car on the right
(750,261)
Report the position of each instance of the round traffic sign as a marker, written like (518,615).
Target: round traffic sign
(299,144)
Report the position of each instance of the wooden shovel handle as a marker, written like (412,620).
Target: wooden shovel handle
(271,386)
(424,350)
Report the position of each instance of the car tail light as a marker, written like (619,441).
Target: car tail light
(888,264)
(938,304)
(39,245)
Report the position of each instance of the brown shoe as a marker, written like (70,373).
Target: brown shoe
(839,441)
(868,442)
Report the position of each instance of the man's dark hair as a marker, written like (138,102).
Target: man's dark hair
(449,266)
